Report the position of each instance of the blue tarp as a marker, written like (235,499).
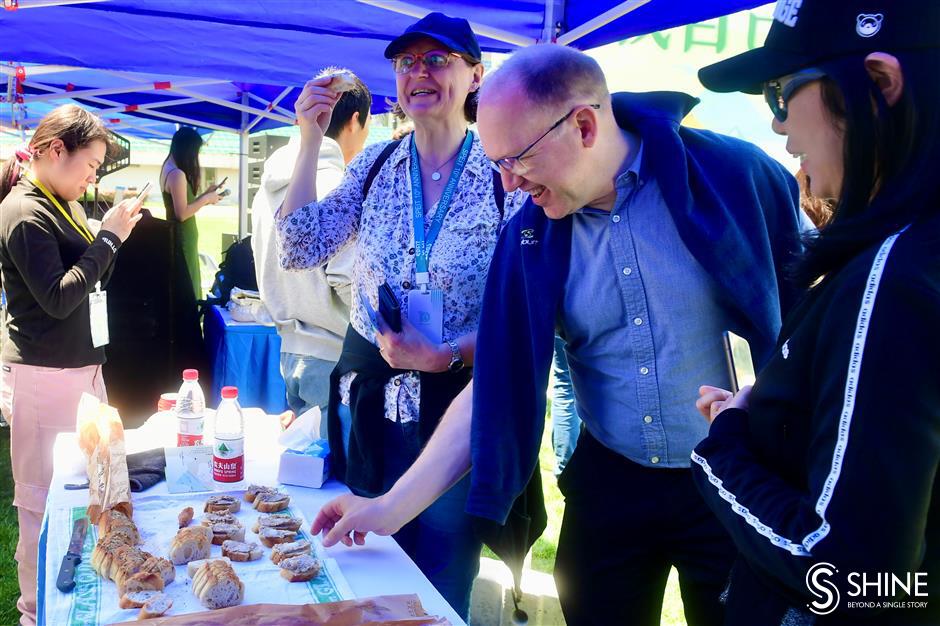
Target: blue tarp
(261,46)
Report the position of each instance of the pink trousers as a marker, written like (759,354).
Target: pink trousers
(39,402)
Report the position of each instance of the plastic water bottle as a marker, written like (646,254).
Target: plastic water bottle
(190,410)
(228,454)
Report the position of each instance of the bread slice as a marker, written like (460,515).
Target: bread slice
(224,532)
(210,519)
(300,568)
(136,599)
(222,504)
(217,586)
(141,581)
(271,536)
(241,551)
(127,561)
(102,555)
(190,544)
(287,550)
(159,565)
(156,606)
(253,490)
(185,517)
(271,502)
(280,522)
(193,566)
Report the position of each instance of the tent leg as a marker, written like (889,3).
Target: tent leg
(243,173)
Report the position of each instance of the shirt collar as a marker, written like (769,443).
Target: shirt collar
(630,176)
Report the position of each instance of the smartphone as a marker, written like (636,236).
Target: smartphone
(143,192)
(223,181)
(389,308)
(740,363)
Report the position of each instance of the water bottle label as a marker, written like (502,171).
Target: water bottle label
(189,431)
(228,460)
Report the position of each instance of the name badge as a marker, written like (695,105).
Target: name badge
(98,315)
(426,312)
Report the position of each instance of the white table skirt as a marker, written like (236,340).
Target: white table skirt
(378,568)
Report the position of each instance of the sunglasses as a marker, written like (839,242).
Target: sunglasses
(433,60)
(778,92)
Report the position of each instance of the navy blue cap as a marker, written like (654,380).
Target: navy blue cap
(807,33)
(453,32)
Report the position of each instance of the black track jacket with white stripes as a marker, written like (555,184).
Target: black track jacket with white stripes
(835,460)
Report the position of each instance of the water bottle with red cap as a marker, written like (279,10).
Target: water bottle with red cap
(190,410)
(228,454)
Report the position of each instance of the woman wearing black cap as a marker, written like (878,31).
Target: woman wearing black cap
(824,473)
(424,216)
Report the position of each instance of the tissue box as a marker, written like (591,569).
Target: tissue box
(306,468)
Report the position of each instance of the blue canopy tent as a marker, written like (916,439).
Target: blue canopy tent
(237,65)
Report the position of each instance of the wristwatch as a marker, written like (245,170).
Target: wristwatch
(456,361)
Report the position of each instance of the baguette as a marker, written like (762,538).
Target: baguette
(241,551)
(193,566)
(287,550)
(102,555)
(159,565)
(217,586)
(271,502)
(185,517)
(114,521)
(190,544)
(141,581)
(300,568)
(271,536)
(136,599)
(156,606)
(224,532)
(222,504)
(127,561)
(280,522)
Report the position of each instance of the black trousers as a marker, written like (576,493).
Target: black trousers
(625,525)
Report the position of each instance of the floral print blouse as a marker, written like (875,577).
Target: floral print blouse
(381,229)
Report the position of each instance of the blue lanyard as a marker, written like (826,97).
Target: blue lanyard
(424,242)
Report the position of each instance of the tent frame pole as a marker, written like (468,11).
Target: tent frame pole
(111,91)
(269,105)
(243,107)
(600,21)
(243,172)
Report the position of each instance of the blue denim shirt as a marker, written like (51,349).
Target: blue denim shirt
(643,322)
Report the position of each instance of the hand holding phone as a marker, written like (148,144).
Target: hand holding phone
(740,363)
(224,193)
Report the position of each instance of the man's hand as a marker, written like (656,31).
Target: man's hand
(410,349)
(350,518)
(713,401)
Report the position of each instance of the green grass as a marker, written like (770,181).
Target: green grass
(9,588)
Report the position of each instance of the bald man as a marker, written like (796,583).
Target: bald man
(642,242)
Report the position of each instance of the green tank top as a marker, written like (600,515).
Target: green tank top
(188,237)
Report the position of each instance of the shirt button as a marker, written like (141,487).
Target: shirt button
(398,382)
(648,419)
(411,250)
(637,321)
(616,219)
(654,460)
(405,284)
(644,370)
(627,271)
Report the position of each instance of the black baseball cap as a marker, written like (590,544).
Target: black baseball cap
(453,32)
(807,33)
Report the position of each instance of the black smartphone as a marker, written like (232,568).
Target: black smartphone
(223,181)
(740,363)
(389,308)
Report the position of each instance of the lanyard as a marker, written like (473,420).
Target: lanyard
(86,235)
(424,242)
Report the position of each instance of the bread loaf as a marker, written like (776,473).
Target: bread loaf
(141,581)
(156,606)
(115,521)
(159,565)
(222,504)
(280,522)
(190,544)
(126,561)
(271,502)
(216,585)
(102,555)
(241,551)
(300,568)
(193,566)
(287,550)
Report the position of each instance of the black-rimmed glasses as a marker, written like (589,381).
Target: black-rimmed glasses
(514,164)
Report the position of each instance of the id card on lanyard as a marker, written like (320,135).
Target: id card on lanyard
(426,305)
(98,299)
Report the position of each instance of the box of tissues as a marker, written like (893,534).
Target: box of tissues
(306,461)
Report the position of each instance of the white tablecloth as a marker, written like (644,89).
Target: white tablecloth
(378,568)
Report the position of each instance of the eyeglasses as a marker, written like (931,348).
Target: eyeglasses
(433,60)
(778,92)
(514,164)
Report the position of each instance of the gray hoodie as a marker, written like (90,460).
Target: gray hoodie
(309,307)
